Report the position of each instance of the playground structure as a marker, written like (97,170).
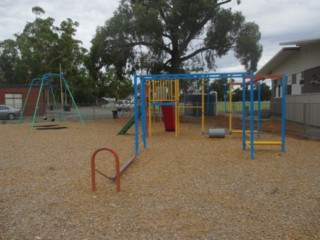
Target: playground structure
(164,102)
(45,82)
(253,80)
(163,91)
(228,89)
(256,85)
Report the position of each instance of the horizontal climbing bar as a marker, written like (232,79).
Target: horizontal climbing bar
(162,104)
(240,131)
(189,106)
(267,143)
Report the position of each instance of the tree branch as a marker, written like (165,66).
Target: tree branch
(143,43)
(194,53)
(191,35)
(224,2)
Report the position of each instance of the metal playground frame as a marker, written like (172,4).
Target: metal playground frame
(148,79)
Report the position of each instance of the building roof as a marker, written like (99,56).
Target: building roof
(285,53)
(302,42)
(18,85)
(280,57)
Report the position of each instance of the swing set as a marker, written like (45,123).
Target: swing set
(45,83)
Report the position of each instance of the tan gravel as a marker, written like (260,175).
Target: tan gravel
(190,187)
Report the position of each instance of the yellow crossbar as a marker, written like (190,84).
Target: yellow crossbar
(267,143)
(240,131)
(189,107)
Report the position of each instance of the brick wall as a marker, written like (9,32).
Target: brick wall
(32,100)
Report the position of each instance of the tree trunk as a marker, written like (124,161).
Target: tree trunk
(175,57)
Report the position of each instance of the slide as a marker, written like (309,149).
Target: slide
(128,125)
(168,118)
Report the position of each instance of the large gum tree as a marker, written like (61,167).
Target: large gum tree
(173,36)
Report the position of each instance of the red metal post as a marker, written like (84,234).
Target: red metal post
(93,169)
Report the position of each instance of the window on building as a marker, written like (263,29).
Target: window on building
(275,82)
(294,78)
(13,99)
(289,89)
(302,78)
(279,91)
(274,91)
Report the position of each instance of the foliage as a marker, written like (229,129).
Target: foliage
(8,59)
(173,36)
(265,93)
(43,47)
(109,85)
(218,85)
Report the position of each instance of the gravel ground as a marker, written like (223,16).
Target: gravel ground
(190,187)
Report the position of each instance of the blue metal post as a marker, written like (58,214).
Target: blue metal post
(283,116)
(136,118)
(143,113)
(225,97)
(259,109)
(251,117)
(244,112)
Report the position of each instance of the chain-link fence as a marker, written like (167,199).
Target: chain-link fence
(301,119)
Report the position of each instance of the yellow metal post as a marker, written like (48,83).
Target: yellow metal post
(151,96)
(230,105)
(176,99)
(202,106)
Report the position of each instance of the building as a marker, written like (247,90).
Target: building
(15,96)
(300,61)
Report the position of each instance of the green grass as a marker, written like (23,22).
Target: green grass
(237,106)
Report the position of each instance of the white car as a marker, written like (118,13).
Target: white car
(123,105)
(8,112)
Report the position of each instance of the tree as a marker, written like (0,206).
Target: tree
(173,36)
(8,59)
(37,46)
(38,11)
(265,92)
(219,86)
(43,47)
(109,85)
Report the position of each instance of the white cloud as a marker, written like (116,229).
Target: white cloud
(279,21)
(89,14)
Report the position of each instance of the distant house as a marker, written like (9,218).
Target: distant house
(15,96)
(300,61)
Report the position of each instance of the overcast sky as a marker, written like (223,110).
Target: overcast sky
(279,20)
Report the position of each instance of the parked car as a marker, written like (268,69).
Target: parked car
(8,112)
(123,105)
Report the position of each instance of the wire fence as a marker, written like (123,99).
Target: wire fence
(301,119)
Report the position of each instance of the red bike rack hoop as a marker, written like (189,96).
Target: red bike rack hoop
(93,168)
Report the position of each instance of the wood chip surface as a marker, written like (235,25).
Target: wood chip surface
(186,187)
